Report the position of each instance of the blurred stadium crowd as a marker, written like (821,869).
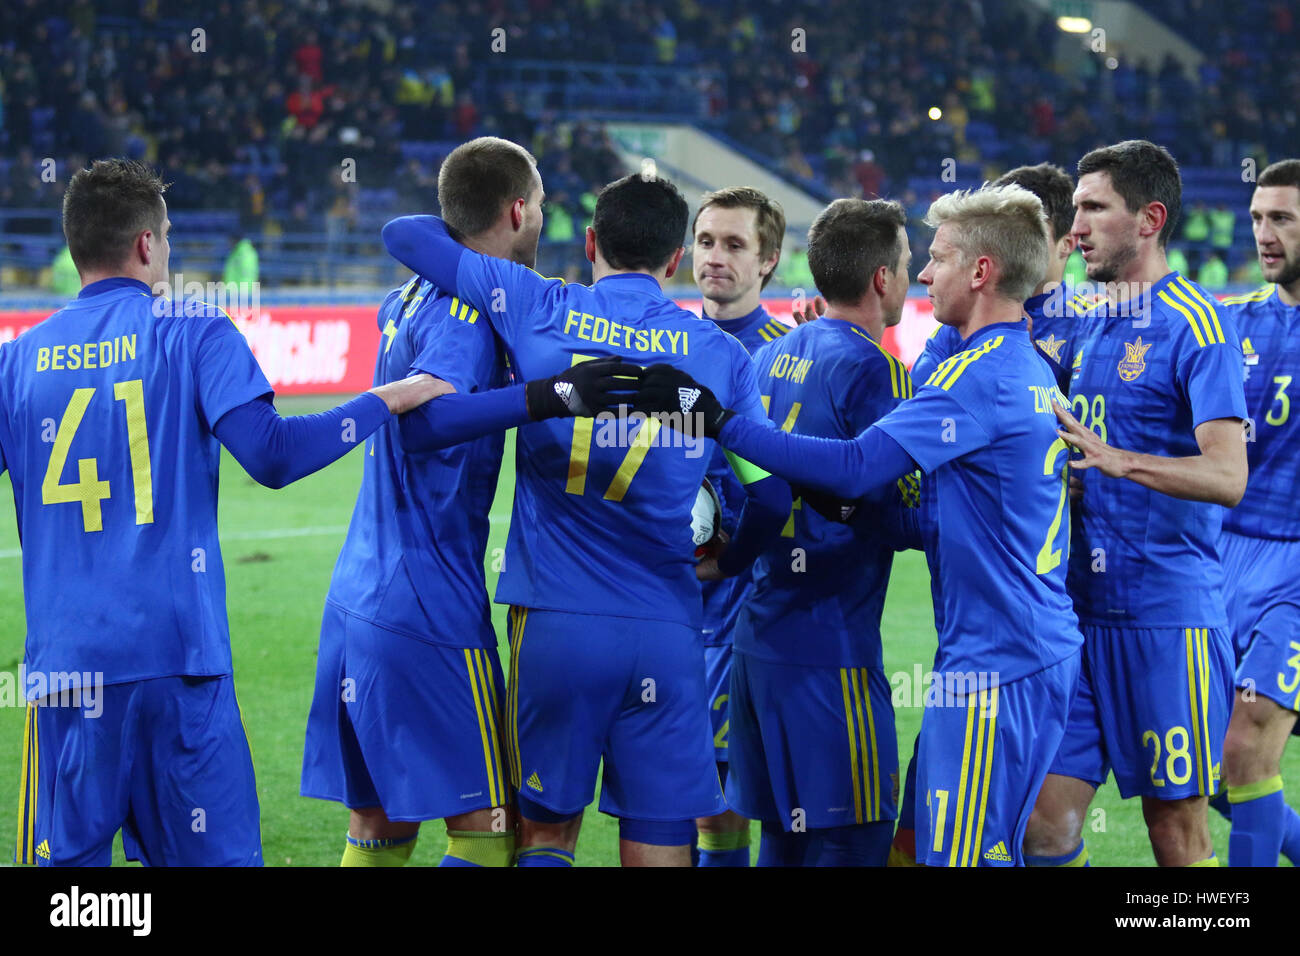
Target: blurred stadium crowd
(251,120)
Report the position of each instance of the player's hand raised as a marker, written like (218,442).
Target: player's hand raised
(812,309)
(689,407)
(412,392)
(1096,453)
(583,390)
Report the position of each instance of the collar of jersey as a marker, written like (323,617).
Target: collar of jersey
(112,285)
(635,281)
(758,317)
(1126,309)
(1018,326)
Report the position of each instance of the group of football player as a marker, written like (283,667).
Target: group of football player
(1062,458)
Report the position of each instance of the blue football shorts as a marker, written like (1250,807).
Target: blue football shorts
(587,687)
(1262,592)
(403,724)
(166,761)
(1154,706)
(811,747)
(981,760)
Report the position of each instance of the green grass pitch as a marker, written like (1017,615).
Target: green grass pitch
(280,548)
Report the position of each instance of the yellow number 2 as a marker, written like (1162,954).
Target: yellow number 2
(1047,557)
(90,490)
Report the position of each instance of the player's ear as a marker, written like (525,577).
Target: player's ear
(674,262)
(1153,219)
(1065,245)
(591,245)
(517,214)
(880,281)
(144,247)
(983,272)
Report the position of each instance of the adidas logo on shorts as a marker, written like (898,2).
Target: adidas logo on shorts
(687,398)
(535,782)
(999,853)
(43,851)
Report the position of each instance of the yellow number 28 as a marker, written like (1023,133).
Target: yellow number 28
(89,490)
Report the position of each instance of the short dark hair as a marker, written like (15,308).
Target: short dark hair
(1285,172)
(106,207)
(849,241)
(640,221)
(480,178)
(1053,186)
(769,217)
(1141,173)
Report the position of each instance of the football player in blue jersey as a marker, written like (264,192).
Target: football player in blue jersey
(737,245)
(1052,311)
(1260,543)
(983,430)
(1156,378)
(814,753)
(607,655)
(122,572)
(405,725)
(1054,308)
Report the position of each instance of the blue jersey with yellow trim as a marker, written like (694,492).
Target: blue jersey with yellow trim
(106,416)
(1270,346)
(412,561)
(819,589)
(983,431)
(722,599)
(601,520)
(1145,374)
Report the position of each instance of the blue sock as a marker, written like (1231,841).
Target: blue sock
(778,848)
(1257,822)
(724,849)
(861,844)
(543,856)
(1076,857)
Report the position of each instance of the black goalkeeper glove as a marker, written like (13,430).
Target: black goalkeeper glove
(583,390)
(666,389)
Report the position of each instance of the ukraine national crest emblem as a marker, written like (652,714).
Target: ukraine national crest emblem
(1052,346)
(1134,361)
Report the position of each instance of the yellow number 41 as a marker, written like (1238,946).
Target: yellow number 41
(90,490)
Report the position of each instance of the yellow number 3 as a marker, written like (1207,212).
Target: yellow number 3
(89,490)
(1279,418)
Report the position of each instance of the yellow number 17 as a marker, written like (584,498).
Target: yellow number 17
(90,490)
(580,454)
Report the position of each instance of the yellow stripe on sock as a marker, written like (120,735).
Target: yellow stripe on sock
(853,746)
(1253,791)
(1212,861)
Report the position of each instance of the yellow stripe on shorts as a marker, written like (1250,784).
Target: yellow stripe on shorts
(853,745)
